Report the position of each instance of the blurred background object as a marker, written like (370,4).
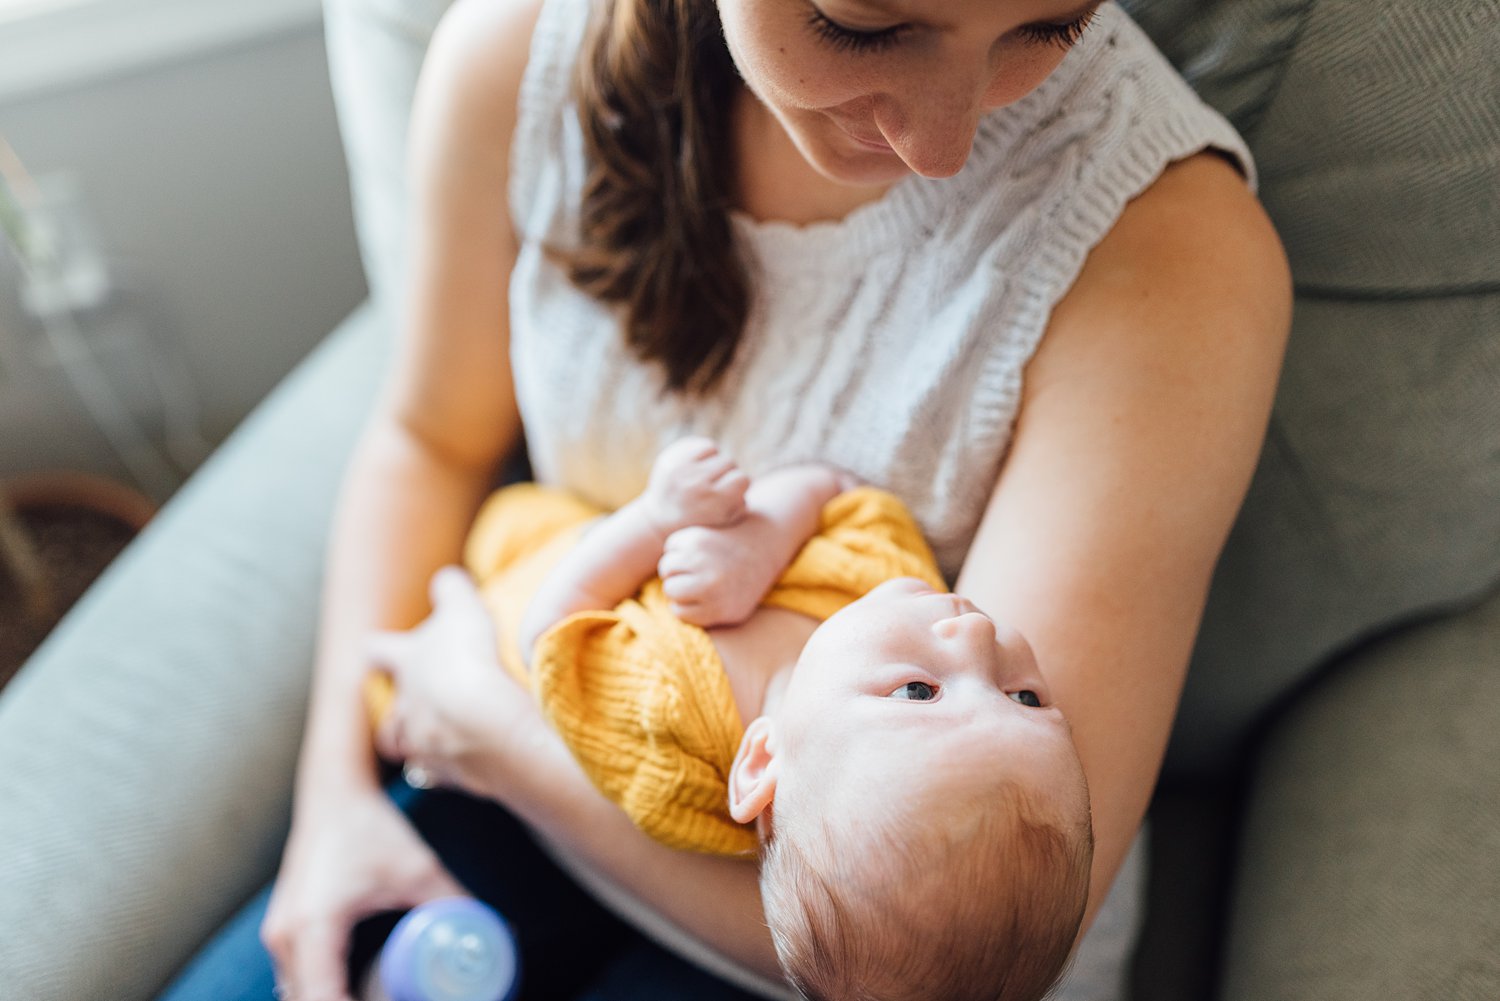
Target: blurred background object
(175,235)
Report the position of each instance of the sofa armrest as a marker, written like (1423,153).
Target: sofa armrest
(1367,861)
(149,744)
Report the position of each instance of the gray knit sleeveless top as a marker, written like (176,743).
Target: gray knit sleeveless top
(892,342)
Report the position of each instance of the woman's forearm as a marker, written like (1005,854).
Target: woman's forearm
(712,899)
(402,513)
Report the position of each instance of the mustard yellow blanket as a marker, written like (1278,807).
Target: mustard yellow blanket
(641,697)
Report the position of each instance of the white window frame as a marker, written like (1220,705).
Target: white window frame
(55,44)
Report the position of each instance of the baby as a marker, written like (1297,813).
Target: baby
(776,667)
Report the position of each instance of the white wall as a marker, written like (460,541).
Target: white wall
(217,186)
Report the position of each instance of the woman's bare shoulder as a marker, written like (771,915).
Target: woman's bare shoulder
(490,38)
(452,386)
(475,64)
(1192,271)
(1195,247)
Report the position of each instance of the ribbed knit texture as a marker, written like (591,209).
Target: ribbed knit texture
(641,697)
(890,342)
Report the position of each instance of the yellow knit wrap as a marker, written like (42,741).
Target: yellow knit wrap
(640,696)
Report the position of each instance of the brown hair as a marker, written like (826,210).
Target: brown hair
(654,84)
(913,910)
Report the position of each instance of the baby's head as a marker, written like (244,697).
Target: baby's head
(923,814)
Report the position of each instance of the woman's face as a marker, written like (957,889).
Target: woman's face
(869,90)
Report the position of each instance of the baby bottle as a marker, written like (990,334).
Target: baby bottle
(453,949)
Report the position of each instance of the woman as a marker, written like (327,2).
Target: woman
(928,207)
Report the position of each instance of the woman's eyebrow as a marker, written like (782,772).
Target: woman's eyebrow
(884,7)
(897,10)
(1082,12)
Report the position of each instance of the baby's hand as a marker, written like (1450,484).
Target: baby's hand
(692,483)
(719,576)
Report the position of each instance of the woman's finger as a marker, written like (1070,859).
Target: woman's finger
(389,649)
(450,583)
(457,599)
(314,969)
(390,736)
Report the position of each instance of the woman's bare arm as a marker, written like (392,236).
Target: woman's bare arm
(429,449)
(471,725)
(1142,418)
(712,899)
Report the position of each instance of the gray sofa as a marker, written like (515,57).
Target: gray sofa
(1329,822)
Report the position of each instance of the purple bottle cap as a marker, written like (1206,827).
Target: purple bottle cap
(453,949)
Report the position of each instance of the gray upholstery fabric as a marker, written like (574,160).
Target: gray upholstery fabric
(1377,500)
(1233,52)
(375,50)
(1369,867)
(1378,497)
(1381,149)
(149,744)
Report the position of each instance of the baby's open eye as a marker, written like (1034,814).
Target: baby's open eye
(1026,697)
(916,691)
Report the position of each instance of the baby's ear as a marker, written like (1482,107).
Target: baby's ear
(752,777)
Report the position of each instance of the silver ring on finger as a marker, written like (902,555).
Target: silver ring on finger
(416,776)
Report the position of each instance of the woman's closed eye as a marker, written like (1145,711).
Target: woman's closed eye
(845,39)
(915,691)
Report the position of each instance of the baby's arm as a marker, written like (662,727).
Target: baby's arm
(718,576)
(691,484)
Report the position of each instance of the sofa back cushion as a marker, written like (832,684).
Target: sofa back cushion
(1376,126)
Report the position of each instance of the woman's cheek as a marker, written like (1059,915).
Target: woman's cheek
(780,61)
(1029,66)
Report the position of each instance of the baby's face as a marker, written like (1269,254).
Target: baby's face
(909,691)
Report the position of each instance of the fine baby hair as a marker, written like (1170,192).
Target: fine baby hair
(988,909)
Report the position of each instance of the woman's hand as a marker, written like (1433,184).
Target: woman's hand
(355,856)
(457,715)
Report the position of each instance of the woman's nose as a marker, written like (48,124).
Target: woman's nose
(939,117)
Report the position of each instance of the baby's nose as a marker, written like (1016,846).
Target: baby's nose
(968,626)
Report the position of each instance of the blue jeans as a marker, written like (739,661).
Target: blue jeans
(572,949)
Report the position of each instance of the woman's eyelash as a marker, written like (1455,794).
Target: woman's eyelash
(844,39)
(1064,36)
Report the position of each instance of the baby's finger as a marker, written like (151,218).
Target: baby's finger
(731,489)
(710,469)
(674,562)
(733,479)
(683,587)
(691,612)
(690,449)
